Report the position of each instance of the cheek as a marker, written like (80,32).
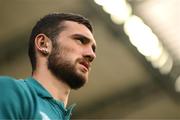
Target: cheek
(70,54)
(72,49)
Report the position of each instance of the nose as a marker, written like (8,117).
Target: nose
(90,55)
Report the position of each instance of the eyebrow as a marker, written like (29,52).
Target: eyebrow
(85,38)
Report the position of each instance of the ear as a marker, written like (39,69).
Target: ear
(42,44)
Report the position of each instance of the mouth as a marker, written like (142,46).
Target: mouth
(86,65)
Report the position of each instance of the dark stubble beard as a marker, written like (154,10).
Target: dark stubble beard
(63,69)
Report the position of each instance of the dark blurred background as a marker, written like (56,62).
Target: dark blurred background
(136,73)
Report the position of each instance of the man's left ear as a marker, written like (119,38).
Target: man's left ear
(43,44)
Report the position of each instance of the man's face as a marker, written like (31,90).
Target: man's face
(72,55)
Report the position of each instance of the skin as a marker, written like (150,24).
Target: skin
(77,42)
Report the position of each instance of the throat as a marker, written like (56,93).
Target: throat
(62,96)
(58,89)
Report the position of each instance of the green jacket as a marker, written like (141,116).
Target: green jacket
(27,99)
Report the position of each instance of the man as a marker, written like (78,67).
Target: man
(61,51)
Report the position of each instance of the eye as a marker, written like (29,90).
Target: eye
(82,40)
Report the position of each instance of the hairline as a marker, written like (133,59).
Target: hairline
(62,26)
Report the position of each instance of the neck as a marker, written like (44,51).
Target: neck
(58,89)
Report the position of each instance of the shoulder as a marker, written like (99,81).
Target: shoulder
(7,83)
(15,99)
(10,88)
(6,78)
(10,84)
(17,89)
(9,100)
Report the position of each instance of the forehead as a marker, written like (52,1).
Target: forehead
(71,28)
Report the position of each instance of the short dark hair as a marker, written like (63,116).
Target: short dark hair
(51,26)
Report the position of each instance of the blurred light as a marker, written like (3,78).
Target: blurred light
(177,84)
(100,2)
(119,10)
(167,66)
(142,37)
(164,63)
(160,60)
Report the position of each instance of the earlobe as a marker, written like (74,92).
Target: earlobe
(45,51)
(42,44)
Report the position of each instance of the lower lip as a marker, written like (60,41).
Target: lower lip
(84,68)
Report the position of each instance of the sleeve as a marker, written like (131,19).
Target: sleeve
(13,100)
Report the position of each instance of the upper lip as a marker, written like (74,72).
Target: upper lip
(86,64)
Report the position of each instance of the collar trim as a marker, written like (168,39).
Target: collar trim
(41,91)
